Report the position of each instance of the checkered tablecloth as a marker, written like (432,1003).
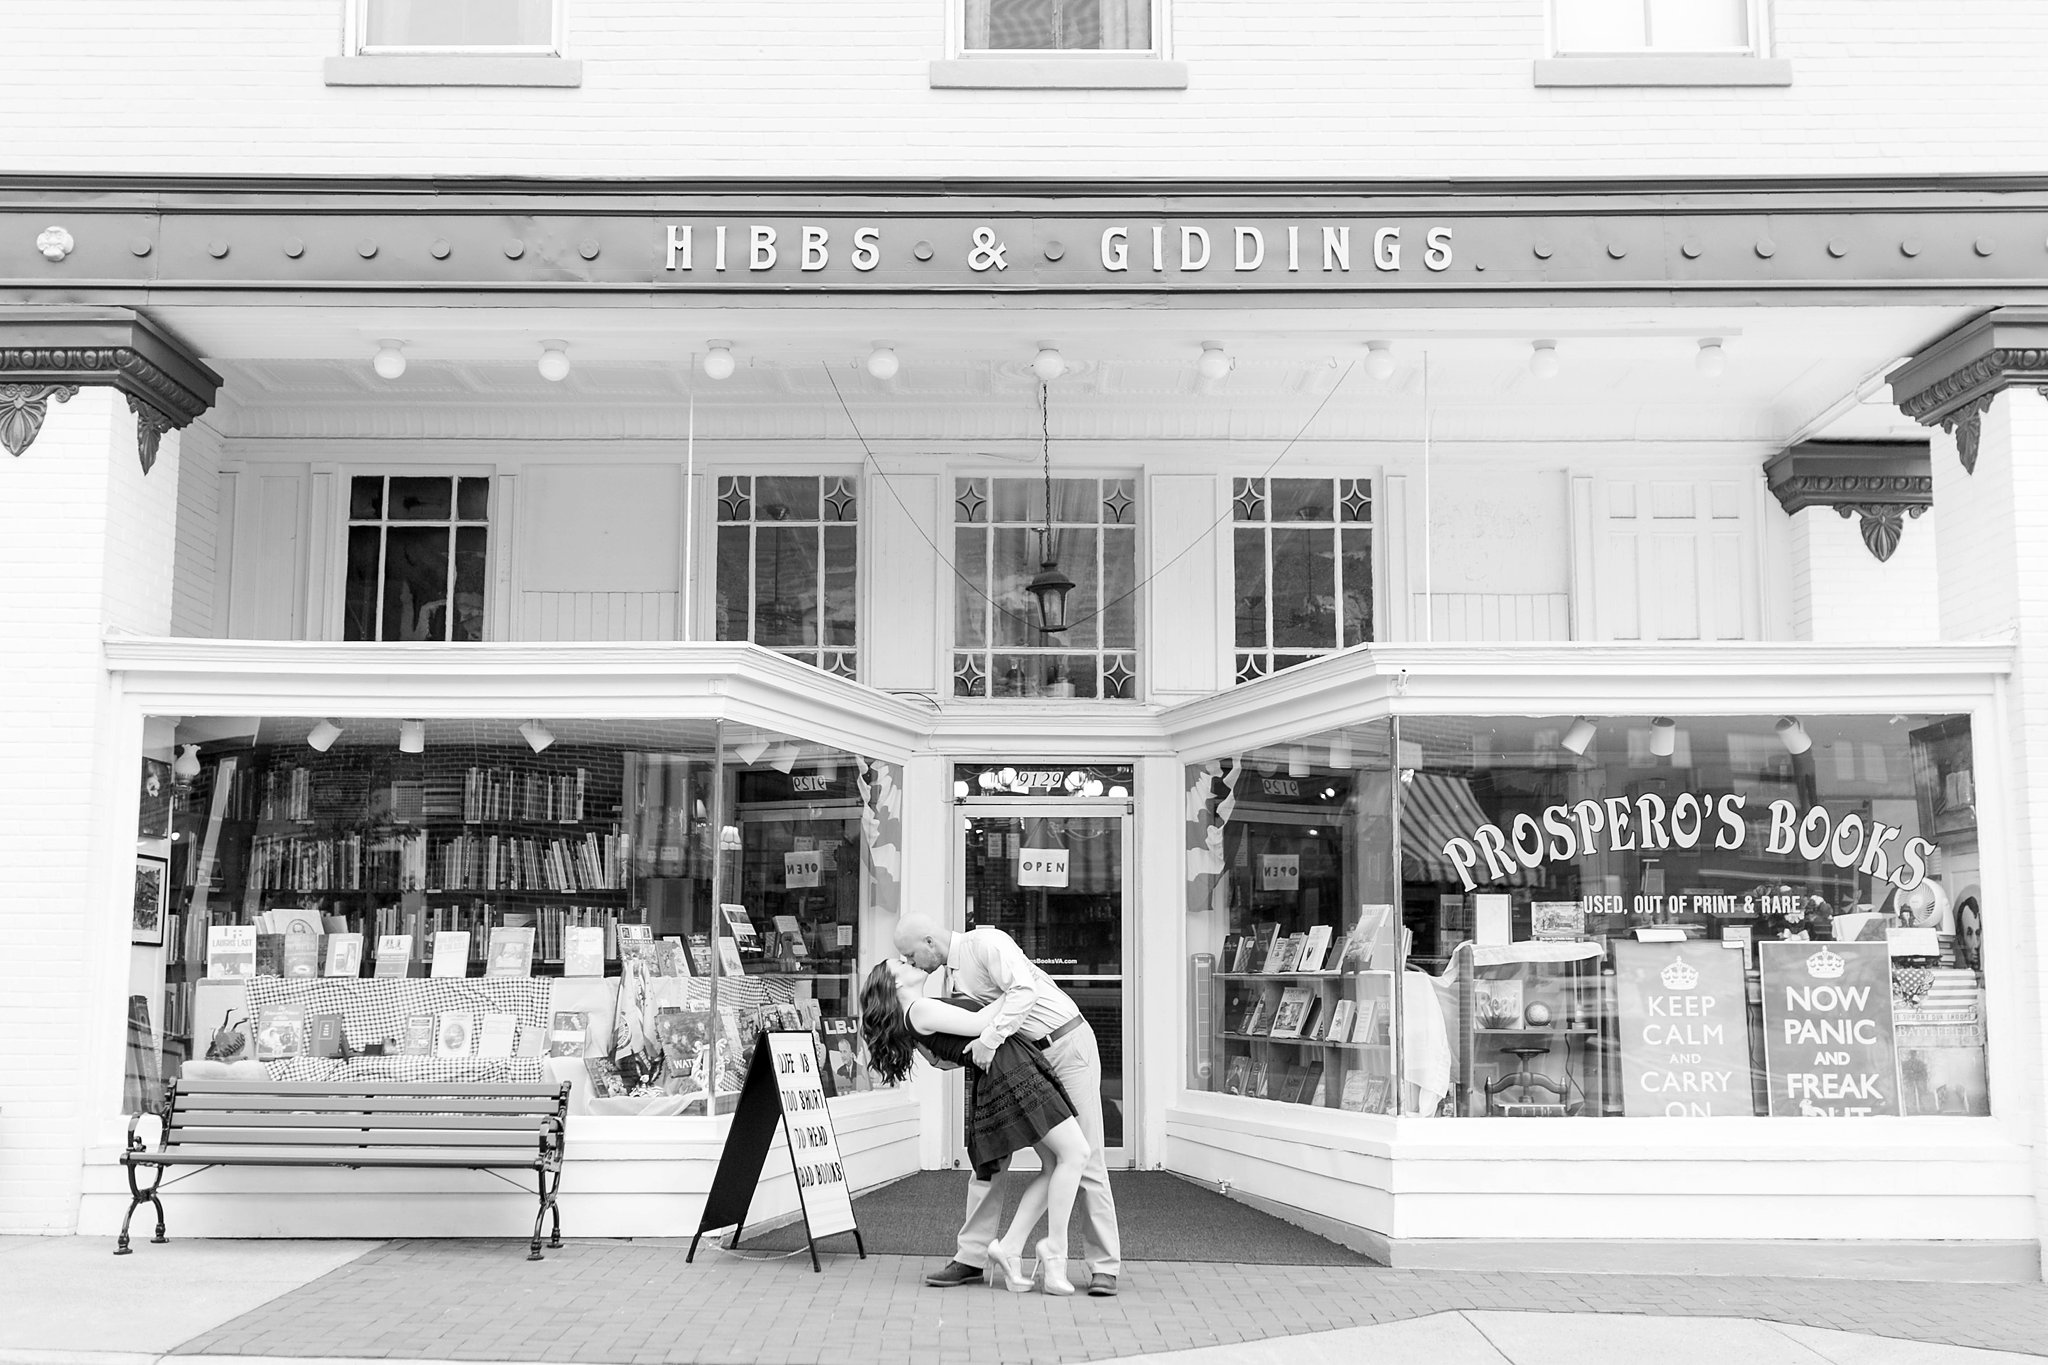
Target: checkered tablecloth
(374,1010)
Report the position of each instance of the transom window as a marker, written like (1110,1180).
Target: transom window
(507,26)
(1303,559)
(1058,26)
(416,558)
(787,550)
(1586,28)
(998,649)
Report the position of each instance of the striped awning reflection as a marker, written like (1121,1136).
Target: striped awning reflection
(1435,809)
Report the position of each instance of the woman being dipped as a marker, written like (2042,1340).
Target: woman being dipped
(1016,1103)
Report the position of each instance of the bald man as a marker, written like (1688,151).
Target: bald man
(986,965)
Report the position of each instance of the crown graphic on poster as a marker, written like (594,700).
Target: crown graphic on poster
(1825,966)
(1679,976)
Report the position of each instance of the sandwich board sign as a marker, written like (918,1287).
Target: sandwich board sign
(783,1085)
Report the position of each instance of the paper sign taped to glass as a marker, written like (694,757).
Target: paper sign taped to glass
(1042,867)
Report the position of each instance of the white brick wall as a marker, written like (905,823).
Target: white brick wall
(1842,594)
(199,530)
(85,544)
(730,87)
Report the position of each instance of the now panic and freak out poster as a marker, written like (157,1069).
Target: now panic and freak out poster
(1828,1044)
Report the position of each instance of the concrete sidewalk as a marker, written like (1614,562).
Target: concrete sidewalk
(194,1302)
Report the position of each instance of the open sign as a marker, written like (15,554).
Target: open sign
(1279,872)
(801,869)
(1042,867)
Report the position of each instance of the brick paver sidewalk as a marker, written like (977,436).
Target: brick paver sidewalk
(625,1302)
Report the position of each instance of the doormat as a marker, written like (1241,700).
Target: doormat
(1160,1217)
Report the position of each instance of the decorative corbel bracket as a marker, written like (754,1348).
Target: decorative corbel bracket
(1881,483)
(53,352)
(1952,383)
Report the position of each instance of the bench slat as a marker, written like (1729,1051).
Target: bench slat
(228,1134)
(287,1104)
(227,1118)
(472,1158)
(394,1088)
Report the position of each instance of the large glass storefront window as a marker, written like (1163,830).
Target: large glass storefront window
(1604,917)
(621,905)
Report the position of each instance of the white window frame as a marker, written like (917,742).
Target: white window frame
(358,33)
(956,42)
(1757,13)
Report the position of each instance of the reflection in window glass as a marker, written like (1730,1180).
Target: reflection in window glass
(486,24)
(1594,27)
(417,557)
(1302,552)
(787,553)
(1058,25)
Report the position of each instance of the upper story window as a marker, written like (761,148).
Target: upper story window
(787,552)
(1605,28)
(1043,26)
(416,558)
(998,530)
(526,27)
(1302,552)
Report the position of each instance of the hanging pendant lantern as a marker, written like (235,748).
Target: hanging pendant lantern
(1050,588)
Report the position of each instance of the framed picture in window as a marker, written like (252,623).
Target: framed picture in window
(152,896)
(154,821)
(1944,779)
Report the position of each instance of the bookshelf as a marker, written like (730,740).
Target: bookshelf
(1257,1035)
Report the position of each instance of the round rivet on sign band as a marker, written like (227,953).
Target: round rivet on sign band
(1615,250)
(587,248)
(514,249)
(294,247)
(1055,251)
(366,249)
(1766,248)
(1542,251)
(1690,248)
(1984,246)
(923,251)
(1837,248)
(440,249)
(216,248)
(1910,247)
(140,246)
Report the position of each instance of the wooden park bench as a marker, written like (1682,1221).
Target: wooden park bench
(493,1128)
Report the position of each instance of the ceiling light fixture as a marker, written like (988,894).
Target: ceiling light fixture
(1663,736)
(1340,751)
(1297,760)
(1793,735)
(882,362)
(554,361)
(1543,360)
(389,362)
(185,766)
(1580,736)
(536,735)
(1379,360)
(1048,364)
(1710,360)
(718,360)
(412,736)
(322,736)
(1215,362)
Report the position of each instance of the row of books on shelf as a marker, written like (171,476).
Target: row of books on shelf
(505,951)
(1301,1012)
(510,794)
(396,861)
(1373,941)
(1363,1091)
(500,862)
(402,861)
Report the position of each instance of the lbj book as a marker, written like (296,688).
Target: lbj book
(451,952)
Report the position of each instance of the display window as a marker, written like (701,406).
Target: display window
(1583,917)
(620,905)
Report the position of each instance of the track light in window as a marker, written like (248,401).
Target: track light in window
(554,361)
(389,362)
(1580,736)
(322,736)
(1543,360)
(536,735)
(1379,360)
(1297,760)
(1048,364)
(718,362)
(1340,752)
(412,736)
(1215,362)
(1793,735)
(882,362)
(1663,736)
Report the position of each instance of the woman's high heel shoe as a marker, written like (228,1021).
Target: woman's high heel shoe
(1006,1270)
(1051,1276)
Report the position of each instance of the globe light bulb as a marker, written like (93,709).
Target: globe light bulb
(1215,361)
(1379,360)
(1048,364)
(718,361)
(1543,360)
(554,361)
(389,362)
(1710,360)
(882,362)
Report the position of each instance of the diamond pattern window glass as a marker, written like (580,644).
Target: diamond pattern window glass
(1302,555)
(787,549)
(417,550)
(998,650)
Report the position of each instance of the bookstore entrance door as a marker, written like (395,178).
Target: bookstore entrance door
(1053,878)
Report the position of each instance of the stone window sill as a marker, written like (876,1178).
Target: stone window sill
(1701,71)
(1059,73)
(453,69)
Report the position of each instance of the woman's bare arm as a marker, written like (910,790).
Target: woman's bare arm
(938,1016)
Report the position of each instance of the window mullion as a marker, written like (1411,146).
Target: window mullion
(383,553)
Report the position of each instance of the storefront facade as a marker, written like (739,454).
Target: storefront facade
(1554,607)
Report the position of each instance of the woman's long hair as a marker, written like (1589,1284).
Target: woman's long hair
(886,1026)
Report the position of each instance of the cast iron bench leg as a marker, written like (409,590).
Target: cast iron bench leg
(555,1210)
(137,1196)
(540,1218)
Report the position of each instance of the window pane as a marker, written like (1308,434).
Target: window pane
(785,585)
(841,545)
(735,589)
(469,582)
(786,499)
(420,499)
(1599,25)
(1301,500)
(1357,571)
(365,498)
(1120,568)
(416,581)
(1050,25)
(970,609)
(473,499)
(1251,589)
(459,23)
(1699,25)
(359,602)
(1084,603)
(1016,500)
(1304,589)
(1016,564)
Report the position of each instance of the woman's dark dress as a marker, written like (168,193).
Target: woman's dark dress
(1013,1104)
